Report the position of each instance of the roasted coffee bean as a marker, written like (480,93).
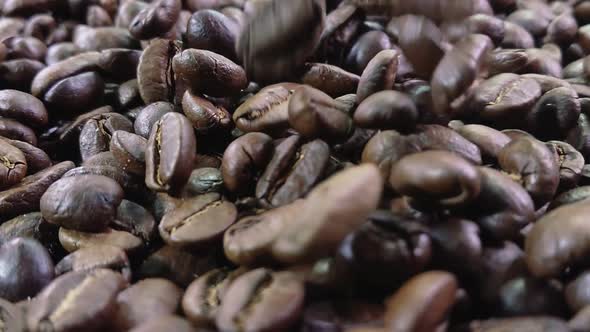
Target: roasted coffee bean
(22,107)
(146,300)
(457,70)
(209,73)
(489,140)
(502,61)
(25,48)
(26,269)
(314,114)
(15,130)
(249,301)
(202,299)
(456,244)
(292,171)
(76,300)
(454,182)
(213,31)
(378,75)
(135,219)
(129,150)
(571,196)
(14,165)
(154,71)
(387,110)
(532,164)
(39,26)
(100,256)
(570,163)
(128,94)
(24,197)
(266,111)
(366,48)
(203,180)
(564,226)
(119,63)
(436,10)
(243,159)
(37,159)
(386,148)
(576,292)
(67,202)
(554,114)
(18,74)
(527,296)
(330,79)
(155,20)
(198,221)
(75,94)
(96,39)
(149,115)
(96,16)
(422,303)
(316,234)
(170,153)
(97,132)
(274,55)
(73,240)
(204,115)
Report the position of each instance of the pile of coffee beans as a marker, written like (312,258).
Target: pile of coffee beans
(295,165)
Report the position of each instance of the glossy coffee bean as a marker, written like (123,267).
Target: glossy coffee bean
(205,116)
(271,289)
(211,30)
(387,110)
(378,75)
(72,240)
(330,79)
(76,94)
(170,151)
(23,107)
(154,71)
(26,269)
(129,150)
(100,256)
(554,114)
(76,300)
(67,202)
(149,115)
(135,219)
(37,159)
(570,162)
(14,165)
(489,140)
(198,221)
(156,19)
(454,182)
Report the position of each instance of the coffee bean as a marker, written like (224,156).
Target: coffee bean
(211,30)
(129,150)
(149,115)
(422,303)
(387,110)
(378,75)
(67,202)
(489,140)
(342,315)
(146,300)
(271,289)
(576,293)
(135,219)
(37,159)
(204,115)
(156,19)
(14,165)
(209,73)
(120,63)
(198,221)
(22,107)
(202,181)
(330,79)
(18,74)
(529,297)
(274,55)
(73,240)
(386,148)
(570,163)
(96,39)
(76,94)
(170,153)
(76,300)
(154,71)
(560,107)
(100,256)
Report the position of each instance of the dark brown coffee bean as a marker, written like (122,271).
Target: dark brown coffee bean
(527,296)
(149,115)
(315,235)
(489,140)
(170,153)
(571,196)
(22,107)
(76,300)
(556,240)
(576,292)
(420,40)
(204,115)
(457,70)
(120,63)
(24,197)
(365,48)
(18,74)
(25,48)
(154,71)
(503,206)
(533,165)
(387,110)
(73,240)
(201,220)
(40,26)
(67,202)
(155,20)
(378,75)
(314,114)
(25,8)
(146,300)
(203,180)
(76,94)
(386,148)
(455,182)
(135,219)
(37,159)
(456,244)
(96,39)
(270,289)
(422,303)
(202,298)
(13,167)
(209,73)
(330,79)
(560,107)
(128,94)
(27,269)
(176,265)
(570,163)
(501,61)
(548,83)
(437,137)
(243,159)
(77,64)
(516,36)
(266,111)
(274,55)
(97,16)
(213,31)
(97,132)
(488,25)
(249,241)
(129,150)
(435,10)
(100,256)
